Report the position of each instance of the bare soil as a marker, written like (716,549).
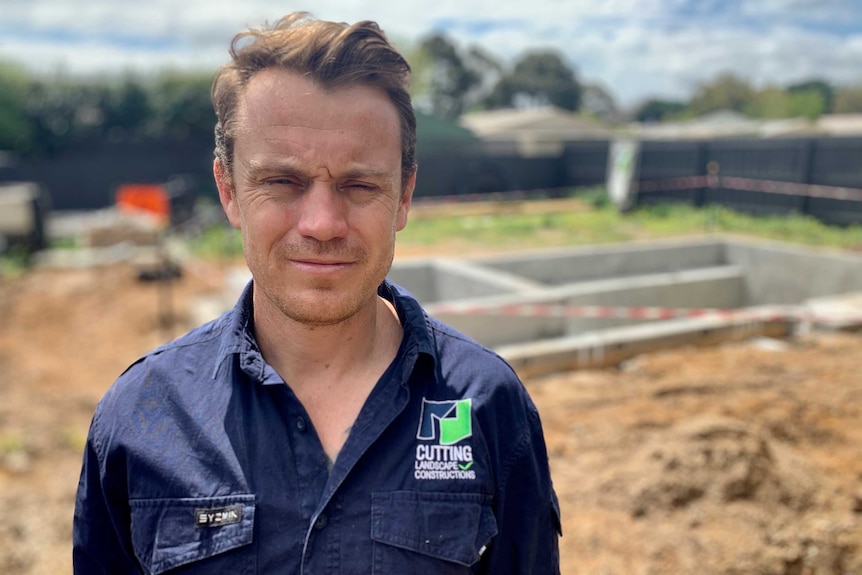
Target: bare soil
(739,458)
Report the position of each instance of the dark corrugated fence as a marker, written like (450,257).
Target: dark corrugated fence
(87,177)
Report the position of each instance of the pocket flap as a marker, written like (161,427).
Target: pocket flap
(455,527)
(167,533)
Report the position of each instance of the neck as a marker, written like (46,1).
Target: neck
(304,354)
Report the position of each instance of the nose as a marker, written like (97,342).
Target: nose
(322,213)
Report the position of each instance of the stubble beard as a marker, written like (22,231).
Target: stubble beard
(322,303)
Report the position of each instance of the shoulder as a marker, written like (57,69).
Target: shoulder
(188,356)
(471,357)
(162,379)
(464,368)
(479,372)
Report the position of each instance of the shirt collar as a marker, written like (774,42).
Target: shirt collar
(238,335)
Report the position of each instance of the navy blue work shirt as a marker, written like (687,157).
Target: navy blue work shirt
(200,460)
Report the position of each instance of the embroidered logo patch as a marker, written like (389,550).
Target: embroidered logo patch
(218,516)
(446,421)
(443,425)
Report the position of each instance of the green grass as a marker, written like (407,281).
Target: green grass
(217,241)
(600,222)
(14,263)
(514,230)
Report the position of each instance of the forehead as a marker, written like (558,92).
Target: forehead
(284,108)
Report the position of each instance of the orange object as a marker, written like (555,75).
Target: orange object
(151,199)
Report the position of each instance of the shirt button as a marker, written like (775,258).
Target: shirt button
(321,522)
(300,424)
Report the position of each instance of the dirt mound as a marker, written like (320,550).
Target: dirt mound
(752,505)
(719,459)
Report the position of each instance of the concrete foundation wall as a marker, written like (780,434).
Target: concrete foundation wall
(779,274)
(557,267)
(704,273)
(719,287)
(445,280)
(417,276)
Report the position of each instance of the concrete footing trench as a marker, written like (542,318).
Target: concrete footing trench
(560,309)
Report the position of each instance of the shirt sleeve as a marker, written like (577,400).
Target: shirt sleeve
(101,544)
(527,513)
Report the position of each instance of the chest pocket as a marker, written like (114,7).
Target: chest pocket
(195,533)
(439,533)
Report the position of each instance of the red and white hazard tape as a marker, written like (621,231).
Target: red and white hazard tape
(772,314)
(751,185)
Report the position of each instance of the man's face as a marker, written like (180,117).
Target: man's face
(316,191)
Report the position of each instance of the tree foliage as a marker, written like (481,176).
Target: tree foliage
(538,78)
(822,87)
(16,133)
(809,99)
(848,100)
(657,110)
(45,116)
(448,81)
(726,92)
(598,101)
(181,106)
(447,77)
(774,103)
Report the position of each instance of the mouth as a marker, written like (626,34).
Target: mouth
(317,265)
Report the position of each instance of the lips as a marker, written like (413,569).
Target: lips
(320,266)
(323,258)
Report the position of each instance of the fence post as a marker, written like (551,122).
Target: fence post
(700,169)
(806,167)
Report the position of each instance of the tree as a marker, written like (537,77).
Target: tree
(538,78)
(16,132)
(825,89)
(489,71)
(773,103)
(597,101)
(656,110)
(54,108)
(126,108)
(726,92)
(848,100)
(808,103)
(180,106)
(445,76)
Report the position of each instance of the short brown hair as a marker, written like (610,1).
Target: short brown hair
(332,54)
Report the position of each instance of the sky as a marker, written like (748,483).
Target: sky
(634,49)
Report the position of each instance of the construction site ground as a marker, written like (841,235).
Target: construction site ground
(742,458)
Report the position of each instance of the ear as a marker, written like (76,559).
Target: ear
(405,202)
(226,194)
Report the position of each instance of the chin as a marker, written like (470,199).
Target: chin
(321,308)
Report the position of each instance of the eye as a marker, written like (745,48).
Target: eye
(360,187)
(283,181)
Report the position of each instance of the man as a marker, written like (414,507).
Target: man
(326,424)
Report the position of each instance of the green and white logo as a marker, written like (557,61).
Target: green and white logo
(448,422)
(443,426)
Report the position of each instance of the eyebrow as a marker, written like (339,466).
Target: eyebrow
(256,167)
(359,173)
